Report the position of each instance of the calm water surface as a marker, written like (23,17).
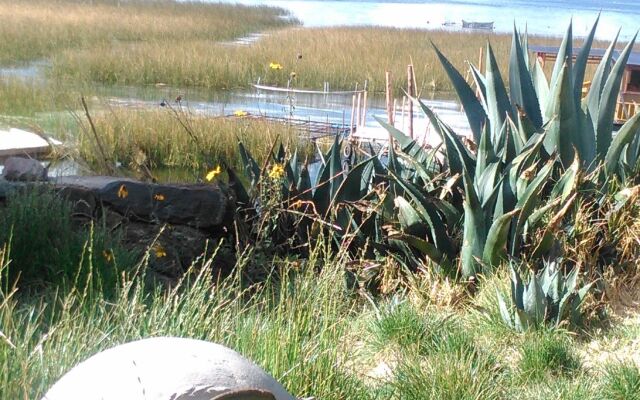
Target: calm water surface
(542,17)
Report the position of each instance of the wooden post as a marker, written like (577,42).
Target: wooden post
(353,110)
(358,101)
(404,100)
(364,109)
(395,108)
(411,93)
(390,112)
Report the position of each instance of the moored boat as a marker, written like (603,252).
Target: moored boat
(477,25)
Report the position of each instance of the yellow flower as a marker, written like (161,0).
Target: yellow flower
(159,251)
(240,113)
(277,171)
(275,65)
(213,173)
(292,74)
(123,192)
(158,197)
(108,255)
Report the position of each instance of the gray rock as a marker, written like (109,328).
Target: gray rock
(23,169)
(167,369)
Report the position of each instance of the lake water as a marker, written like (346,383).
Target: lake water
(542,17)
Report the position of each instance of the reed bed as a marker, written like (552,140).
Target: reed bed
(345,57)
(176,139)
(36,29)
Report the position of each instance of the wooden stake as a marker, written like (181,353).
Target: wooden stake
(393,114)
(358,102)
(404,100)
(390,112)
(364,109)
(411,93)
(353,110)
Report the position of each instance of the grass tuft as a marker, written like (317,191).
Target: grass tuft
(447,376)
(544,354)
(621,381)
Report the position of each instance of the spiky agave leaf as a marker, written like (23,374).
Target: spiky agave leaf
(472,107)
(520,83)
(535,303)
(356,183)
(497,101)
(527,203)
(582,59)
(427,212)
(608,101)
(474,233)
(486,154)
(564,59)
(329,179)
(251,167)
(540,83)
(562,125)
(625,135)
(599,79)
(495,248)
(457,154)
(410,220)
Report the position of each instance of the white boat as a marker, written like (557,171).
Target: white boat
(477,25)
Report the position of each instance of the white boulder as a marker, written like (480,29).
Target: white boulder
(167,368)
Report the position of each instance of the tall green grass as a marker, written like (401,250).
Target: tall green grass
(46,246)
(292,326)
(176,138)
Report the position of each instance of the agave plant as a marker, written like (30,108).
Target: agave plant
(505,183)
(549,298)
(570,124)
(533,141)
(333,198)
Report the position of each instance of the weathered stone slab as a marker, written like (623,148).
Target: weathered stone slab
(199,206)
(23,169)
(19,142)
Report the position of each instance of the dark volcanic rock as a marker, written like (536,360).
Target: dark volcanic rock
(199,206)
